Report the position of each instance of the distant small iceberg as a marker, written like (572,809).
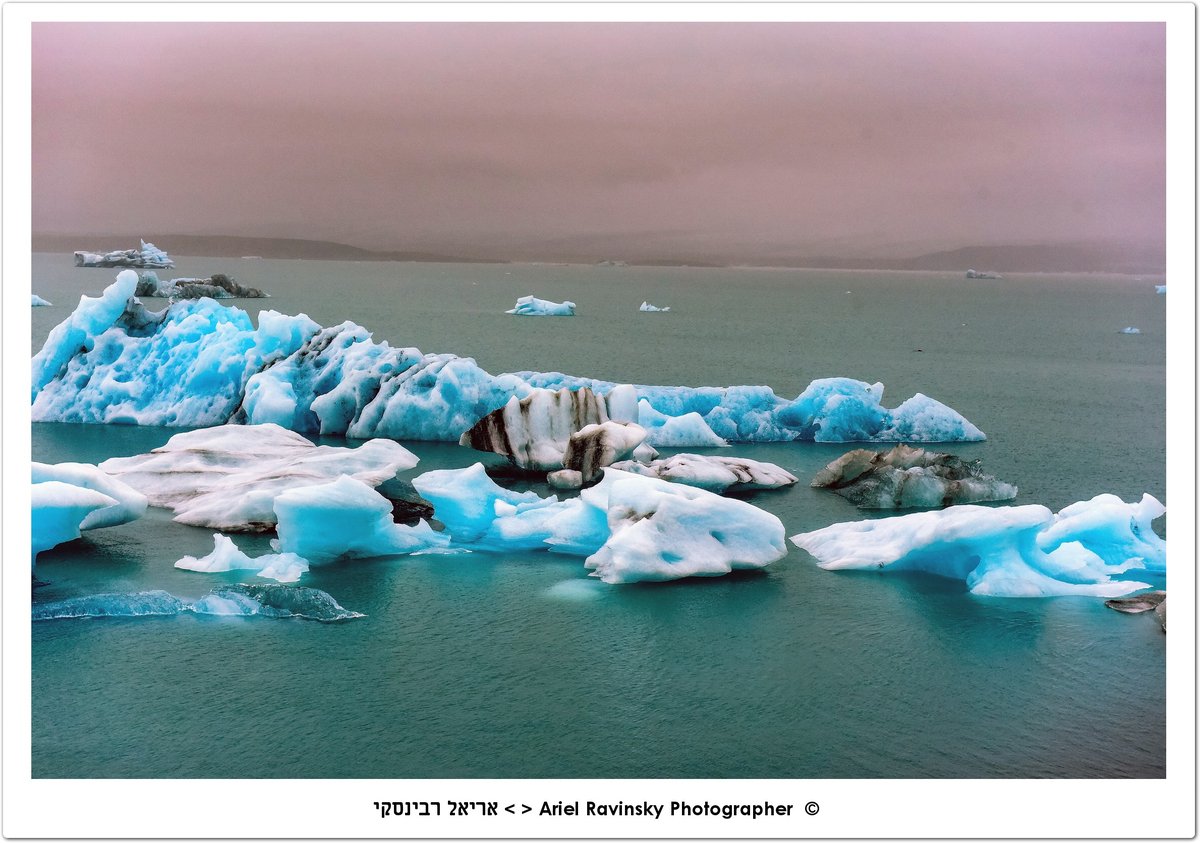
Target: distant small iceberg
(216,286)
(530,306)
(1161,289)
(649,308)
(38,301)
(971,273)
(1130,330)
(148,255)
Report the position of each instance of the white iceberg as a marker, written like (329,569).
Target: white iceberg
(228,477)
(227,556)
(716,474)
(631,528)
(649,308)
(38,301)
(1102,547)
(346,518)
(530,306)
(199,363)
(148,255)
(1130,330)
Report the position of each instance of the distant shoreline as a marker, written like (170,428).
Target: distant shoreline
(1042,258)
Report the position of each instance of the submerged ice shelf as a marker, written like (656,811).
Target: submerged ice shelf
(270,601)
(1102,547)
(199,363)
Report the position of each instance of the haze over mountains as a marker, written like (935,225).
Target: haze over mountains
(1116,257)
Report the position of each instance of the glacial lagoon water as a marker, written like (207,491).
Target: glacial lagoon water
(518,665)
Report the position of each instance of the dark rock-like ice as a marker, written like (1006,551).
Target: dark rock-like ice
(905,478)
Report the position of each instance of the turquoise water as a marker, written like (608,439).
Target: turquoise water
(517,665)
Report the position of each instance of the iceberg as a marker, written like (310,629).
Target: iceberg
(971,273)
(38,301)
(228,477)
(128,504)
(649,308)
(716,474)
(216,286)
(271,601)
(550,430)
(71,497)
(199,363)
(148,255)
(1161,289)
(631,528)
(1097,547)
(1129,330)
(58,510)
(688,430)
(226,556)
(906,477)
(346,518)
(530,306)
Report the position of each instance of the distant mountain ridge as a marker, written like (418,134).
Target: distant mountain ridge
(1126,258)
(221,246)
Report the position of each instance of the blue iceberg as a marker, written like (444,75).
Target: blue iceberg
(1103,547)
(199,363)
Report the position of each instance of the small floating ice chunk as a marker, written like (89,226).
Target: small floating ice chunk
(1161,289)
(126,605)
(227,556)
(1095,547)
(649,308)
(38,301)
(1130,330)
(530,306)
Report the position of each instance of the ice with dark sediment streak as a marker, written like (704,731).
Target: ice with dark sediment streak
(1102,547)
(216,286)
(228,477)
(552,430)
(716,474)
(531,306)
(38,301)
(199,363)
(271,601)
(905,478)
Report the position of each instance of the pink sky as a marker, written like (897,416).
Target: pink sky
(528,140)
